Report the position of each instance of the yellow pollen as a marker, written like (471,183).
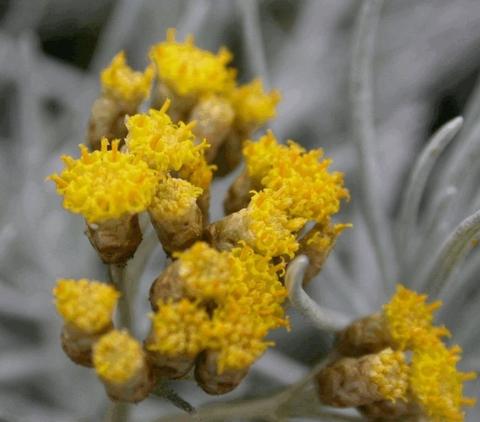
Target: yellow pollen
(120,81)
(106,184)
(189,70)
(86,304)
(118,357)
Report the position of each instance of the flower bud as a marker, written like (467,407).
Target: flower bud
(350,382)
(122,367)
(86,307)
(213,116)
(209,378)
(115,240)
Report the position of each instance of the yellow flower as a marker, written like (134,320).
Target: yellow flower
(117,357)
(247,295)
(198,172)
(189,70)
(389,372)
(273,232)
(120,81)
(206,271)
(163,145)
(308,190)
(180,328)
(174,197)
(86,304)
(106,184)
(409,319)
(437,385)
(253,107)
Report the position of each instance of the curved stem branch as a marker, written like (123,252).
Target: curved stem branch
(323,319)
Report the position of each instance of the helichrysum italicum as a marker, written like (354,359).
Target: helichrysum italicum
(123,83)
(106,184)
(189,70)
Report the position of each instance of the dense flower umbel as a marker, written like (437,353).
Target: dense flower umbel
(86,304)
(106,184)
(163,145)
(123,83)
(188,70)
(247,297)
(406,324)
(436,383)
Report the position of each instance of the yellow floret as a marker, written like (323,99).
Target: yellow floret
(206,271)
(390,373)
(174,197)
(253,106)
(410,320)
(198,172)
(180,328)
(272,230)
(189,70)
(120,81)
(301,178)
(118,357)
(437,385)
(86,304)
(163,145)
(106,184)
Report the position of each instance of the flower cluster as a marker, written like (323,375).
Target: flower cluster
(203,88)
(433,385)
(215,304)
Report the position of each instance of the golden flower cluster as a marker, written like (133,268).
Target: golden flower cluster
(432,387)
(223,293)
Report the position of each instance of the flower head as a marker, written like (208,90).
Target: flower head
(253,106)
(163,145)
(179,328)
(302,179)
(174,197)
(436,383)
(273,231)
(106,184)
(247,302)
(118,357)
(189,70)
(389,372)
(409,319)
(206,271)
(120,81)
(86,304)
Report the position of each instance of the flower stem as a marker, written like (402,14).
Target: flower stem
(119,411)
